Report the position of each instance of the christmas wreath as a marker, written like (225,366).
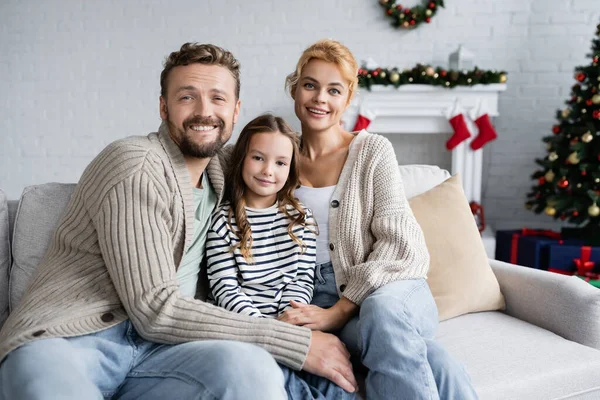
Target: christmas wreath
(406,17)
(428,75)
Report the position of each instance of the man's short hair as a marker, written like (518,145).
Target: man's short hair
(208,54)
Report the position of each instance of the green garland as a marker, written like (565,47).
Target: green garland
(427,75)
(410,17)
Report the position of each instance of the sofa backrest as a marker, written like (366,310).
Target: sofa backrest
(41,207)
(37,216)
(4,257)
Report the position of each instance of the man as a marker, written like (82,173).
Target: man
(111,310)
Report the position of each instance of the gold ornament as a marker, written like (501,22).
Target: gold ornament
(382,74)
(548,146)
(405,24)
(394,77)
(383,2)
(430,71)
(553,156)
(573,158)
(594,210)
(550,210)
(596,99)
(502,78)
(565,113)
(428,12)
(549,176)
(587,137)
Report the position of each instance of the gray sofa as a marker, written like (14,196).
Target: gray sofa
(546,345)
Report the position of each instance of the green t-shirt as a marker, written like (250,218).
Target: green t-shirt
(205,200)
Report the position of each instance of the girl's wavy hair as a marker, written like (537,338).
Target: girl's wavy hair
(234,190)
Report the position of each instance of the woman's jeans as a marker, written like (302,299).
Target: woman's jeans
(394,337)
(118,363)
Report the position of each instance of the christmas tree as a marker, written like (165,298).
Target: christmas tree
(568,186)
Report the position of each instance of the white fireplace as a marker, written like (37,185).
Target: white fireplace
(422,110)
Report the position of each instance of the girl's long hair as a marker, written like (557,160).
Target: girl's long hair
(235,188)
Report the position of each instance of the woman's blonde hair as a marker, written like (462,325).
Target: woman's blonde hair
(331,51)
(235,188)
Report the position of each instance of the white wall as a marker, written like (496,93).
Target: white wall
(76,75)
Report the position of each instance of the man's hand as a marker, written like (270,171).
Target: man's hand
(329,358)
(317,318)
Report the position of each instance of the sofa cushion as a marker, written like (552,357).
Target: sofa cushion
(418,179)
(4,257)
(38,214)
(511,359)
(460,276)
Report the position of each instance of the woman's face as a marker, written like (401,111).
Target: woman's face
(321,96)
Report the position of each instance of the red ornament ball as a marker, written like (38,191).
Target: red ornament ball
(596,114)
(588,102)
(428,20)
(556,129)
(583,173)
(541,180)
(412,22)
(575,213)
(580,77)
(563,217)
(399,7)
(563,183)
(443,73)
(389,11)
(432,5)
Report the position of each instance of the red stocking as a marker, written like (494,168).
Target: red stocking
(365,117)
(461,131)
(487,133)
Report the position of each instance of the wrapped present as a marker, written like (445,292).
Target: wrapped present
(528,247)
(583,261)
(589,236)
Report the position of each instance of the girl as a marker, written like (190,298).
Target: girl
(261,243)
(371,256)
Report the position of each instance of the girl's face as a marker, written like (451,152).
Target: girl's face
(266,168)
(321,96)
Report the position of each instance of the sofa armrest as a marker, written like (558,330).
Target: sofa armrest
(565,305)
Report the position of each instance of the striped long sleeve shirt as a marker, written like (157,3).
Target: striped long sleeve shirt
(280,270)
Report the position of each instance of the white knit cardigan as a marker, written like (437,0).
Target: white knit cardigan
(374,236)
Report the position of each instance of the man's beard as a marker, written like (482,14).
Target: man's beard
(205,150)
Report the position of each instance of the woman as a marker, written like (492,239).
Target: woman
(371,254)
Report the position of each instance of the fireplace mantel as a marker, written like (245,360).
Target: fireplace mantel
(422,109)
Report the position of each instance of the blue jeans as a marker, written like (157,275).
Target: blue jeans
(118,363)
(394,337)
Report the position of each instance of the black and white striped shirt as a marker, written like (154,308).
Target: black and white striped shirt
(280,272)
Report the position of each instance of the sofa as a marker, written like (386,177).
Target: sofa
(545,344)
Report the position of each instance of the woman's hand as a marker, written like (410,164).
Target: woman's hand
(317,318)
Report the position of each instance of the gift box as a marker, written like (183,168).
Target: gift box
(583,261)
(528,247)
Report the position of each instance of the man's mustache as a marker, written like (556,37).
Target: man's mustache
(203,121)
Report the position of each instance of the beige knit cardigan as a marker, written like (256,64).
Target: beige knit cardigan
(114,256)
(374,236)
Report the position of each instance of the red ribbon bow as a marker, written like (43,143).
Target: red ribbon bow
(584,265)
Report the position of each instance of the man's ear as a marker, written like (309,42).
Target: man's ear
(164,113)
(236,112)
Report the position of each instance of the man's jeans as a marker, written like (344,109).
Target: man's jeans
(118,363)
(394,337)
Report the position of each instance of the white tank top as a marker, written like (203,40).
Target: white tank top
(317,199)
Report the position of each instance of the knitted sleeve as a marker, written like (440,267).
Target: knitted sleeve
(399,250)
(134,233)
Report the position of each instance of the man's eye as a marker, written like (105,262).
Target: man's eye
(186,97)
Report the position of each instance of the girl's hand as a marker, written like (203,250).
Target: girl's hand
(317,318)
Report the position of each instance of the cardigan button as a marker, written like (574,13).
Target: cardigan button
(335,204)
(342,288)
(39,333)
(107,317)
(331,246)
